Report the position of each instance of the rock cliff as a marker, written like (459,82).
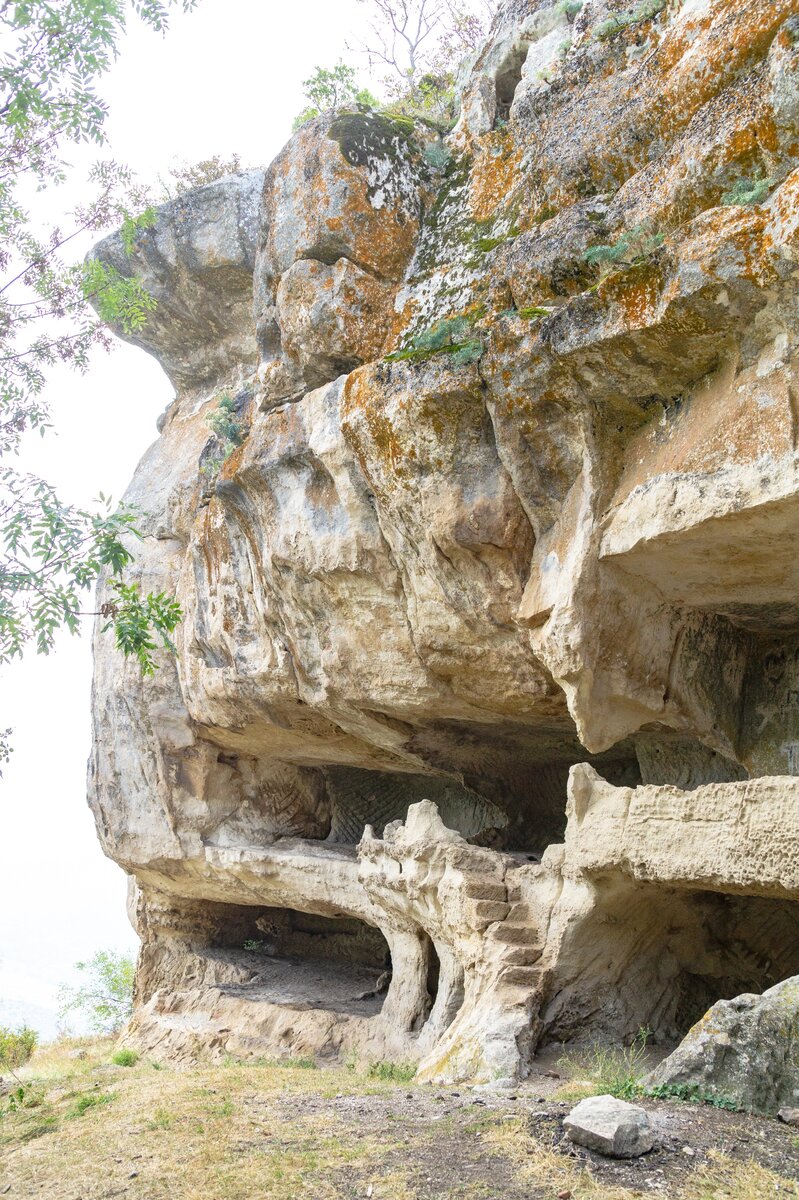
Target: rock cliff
(489,672)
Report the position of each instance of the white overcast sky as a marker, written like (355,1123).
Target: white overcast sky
(226,78)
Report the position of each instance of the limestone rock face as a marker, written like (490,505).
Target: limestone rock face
(489,669)
(744,1050)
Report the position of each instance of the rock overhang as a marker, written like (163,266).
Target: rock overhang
(498,509)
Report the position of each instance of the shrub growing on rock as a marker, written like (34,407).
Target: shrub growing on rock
(632,247)
(454,336)
(647,10)
(747,191)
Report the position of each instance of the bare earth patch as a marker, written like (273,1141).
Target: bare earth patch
(88,1130)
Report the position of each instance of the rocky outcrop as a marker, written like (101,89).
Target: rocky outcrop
(489,668)
(743,1053)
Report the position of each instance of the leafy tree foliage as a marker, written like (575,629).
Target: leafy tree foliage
(53,57)
(331,89)
(106,999)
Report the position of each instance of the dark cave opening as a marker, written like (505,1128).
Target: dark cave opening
(744,944)
(288,957)
(507,79)
(433,971)
(657,958)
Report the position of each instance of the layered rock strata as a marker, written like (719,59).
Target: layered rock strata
(483,726)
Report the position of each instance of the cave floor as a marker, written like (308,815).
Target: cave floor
(311,983)
(90,1130)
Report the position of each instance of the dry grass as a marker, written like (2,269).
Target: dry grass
(601,1070)
(544,1168)
(179,1130)
(92,1130)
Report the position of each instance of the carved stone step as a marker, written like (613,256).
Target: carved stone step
(522,977)
(487,912)
(514,935)
(522,956)
(485,889)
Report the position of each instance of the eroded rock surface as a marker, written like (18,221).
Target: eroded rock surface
(505,507)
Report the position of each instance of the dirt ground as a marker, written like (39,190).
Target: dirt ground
(90,1130)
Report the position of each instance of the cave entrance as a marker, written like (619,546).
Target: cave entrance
(656,958)
(508,78)
(433,971)
(727,945)
(359,797)
(295,958)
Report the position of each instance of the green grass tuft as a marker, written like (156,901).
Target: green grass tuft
(454,336)
(125,1058)
(632,248)
(647,10)
(392,1072)
(300,1063)
(90,1100)
(610,1070)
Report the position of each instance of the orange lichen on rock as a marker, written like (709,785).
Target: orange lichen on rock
(494,176)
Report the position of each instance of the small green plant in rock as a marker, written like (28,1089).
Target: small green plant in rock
(454,336)
(632,248)
(16,1047)
(125,1058)
(392,1072)
(437,155)
(692,1093)
(255,946)
(747,191)
(224,422)
(647,10)
(229,433)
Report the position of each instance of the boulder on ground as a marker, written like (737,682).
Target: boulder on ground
(745,1051)
(611,1126)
